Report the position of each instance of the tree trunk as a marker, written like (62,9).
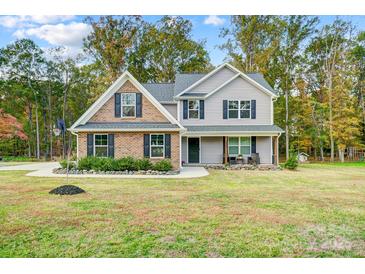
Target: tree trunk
(286,124)
(44,112)
(341,155)
(321,151)
(30,118)
(37,130)
(50,123)
(331,120)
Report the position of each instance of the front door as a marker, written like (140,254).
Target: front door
(193,150)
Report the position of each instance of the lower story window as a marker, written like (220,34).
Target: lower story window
(101,145)
(157,146)
(239,146)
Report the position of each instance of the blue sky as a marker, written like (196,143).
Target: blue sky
(68,31)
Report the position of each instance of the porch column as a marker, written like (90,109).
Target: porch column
(276,149)
(225,161)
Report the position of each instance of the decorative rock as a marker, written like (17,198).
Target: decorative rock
(125,172)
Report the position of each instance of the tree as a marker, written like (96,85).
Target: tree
(345,117)
(23,62)
(252,41)
(165,49)
(111,41)
(288,59)
(10,127)
(358,60)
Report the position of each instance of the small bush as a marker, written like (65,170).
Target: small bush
(126,163)
(143,164)
(106,164)
(292,162)
(163,165)
(71,165)
(86,163)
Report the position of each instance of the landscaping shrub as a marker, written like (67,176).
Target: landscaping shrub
(163,165)
(86,163)
(126,163)
(143,164)
(106,164)
(71,165)
(292,162)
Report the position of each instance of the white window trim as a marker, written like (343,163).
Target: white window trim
(239,109)
(239,146)
(198,109)
(163,146)
(134,105)
(107,145)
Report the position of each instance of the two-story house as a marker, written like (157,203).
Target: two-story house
(198,119)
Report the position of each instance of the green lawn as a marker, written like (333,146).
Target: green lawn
(317,211)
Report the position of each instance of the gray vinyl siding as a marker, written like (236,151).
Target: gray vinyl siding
(238,89)
(172,108)
(211,150)
(184,149)
(263,147)
(214,81)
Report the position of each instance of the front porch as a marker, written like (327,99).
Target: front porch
(242,149)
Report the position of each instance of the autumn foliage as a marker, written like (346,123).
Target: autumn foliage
(10,127)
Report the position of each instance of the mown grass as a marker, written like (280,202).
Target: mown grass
(312,212)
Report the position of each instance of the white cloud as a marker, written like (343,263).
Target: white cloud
(214,20)
(23,21)
(8,21)
(70,35)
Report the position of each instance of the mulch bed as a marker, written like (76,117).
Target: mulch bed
(67,190)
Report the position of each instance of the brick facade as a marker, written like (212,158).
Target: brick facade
(149,112)
(131,144)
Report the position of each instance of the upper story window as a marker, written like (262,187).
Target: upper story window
(193,109)
(128,104)
(239,109)
(101,145)
(157,146)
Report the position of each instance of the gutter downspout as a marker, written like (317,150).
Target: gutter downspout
(77,144)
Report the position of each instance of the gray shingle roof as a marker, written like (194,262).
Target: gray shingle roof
(259,78)
(185,80)
(163,92)
(125,125)
(194,94)
(242,128)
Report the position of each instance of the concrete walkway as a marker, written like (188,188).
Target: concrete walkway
(45,170)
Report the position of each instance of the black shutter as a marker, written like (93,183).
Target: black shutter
(90,144)
(146,145)
(167,145)
(253,144)
(111,145)
(253,109)
(225,109)
(117,105)
(185,109)
(138,105)
(201,109)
